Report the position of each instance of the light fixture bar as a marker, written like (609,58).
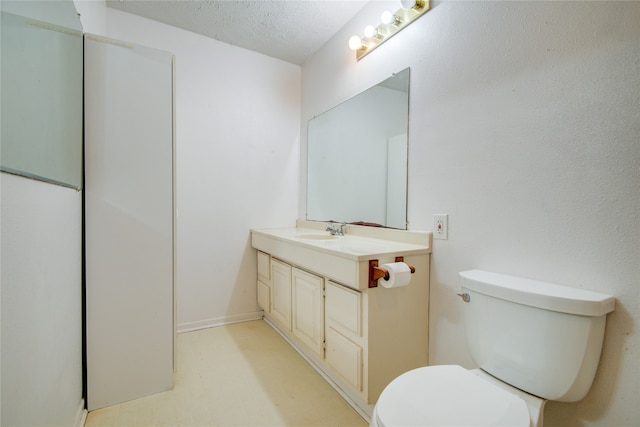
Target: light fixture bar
(402,18)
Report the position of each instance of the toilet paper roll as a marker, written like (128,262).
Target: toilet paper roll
(399,275)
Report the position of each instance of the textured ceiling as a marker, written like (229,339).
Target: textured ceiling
(291,30)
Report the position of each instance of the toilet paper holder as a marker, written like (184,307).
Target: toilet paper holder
(376,272)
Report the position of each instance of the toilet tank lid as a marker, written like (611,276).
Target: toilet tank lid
(538,294)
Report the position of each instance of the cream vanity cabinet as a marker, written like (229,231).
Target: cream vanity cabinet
(314,290)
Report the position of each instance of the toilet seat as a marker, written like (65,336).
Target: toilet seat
(447,395)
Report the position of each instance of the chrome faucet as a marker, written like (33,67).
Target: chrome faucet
(336,231)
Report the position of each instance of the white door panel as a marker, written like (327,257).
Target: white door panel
(129,221)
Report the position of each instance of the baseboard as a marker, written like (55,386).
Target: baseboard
(219,321)
(81,415)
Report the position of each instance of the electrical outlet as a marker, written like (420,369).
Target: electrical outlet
(441,226)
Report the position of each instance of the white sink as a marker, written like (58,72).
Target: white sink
(347,244)
(316,236)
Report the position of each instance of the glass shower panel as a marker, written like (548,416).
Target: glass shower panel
(41,110)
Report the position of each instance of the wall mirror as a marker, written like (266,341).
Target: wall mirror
(357,157)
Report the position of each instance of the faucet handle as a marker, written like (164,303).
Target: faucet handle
(341,229)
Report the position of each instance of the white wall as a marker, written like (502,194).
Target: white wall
(41,303)
(524,127)
(237,139)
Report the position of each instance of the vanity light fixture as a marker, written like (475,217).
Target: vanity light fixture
(391,24)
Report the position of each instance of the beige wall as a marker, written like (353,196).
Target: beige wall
(524,127)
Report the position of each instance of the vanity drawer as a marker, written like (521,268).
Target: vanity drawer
(344,307)
(345,358)
(264,267)
(264,296)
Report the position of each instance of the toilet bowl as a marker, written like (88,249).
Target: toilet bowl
(533,342)
(449,395)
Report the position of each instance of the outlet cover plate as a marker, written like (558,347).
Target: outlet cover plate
(441,226)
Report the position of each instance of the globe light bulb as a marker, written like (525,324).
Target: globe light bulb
(355,43)
(387,17)
(408,4)
(370,31)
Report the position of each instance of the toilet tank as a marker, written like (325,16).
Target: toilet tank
(542,338)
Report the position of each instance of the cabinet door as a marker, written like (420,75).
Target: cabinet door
(264,281)
(264,296)
(264,270)
(308,310)
(281,302)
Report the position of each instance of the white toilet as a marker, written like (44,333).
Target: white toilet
(533,341)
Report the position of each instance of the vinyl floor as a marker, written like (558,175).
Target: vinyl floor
(244,374)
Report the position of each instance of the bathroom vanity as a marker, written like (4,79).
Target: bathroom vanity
(315,291)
